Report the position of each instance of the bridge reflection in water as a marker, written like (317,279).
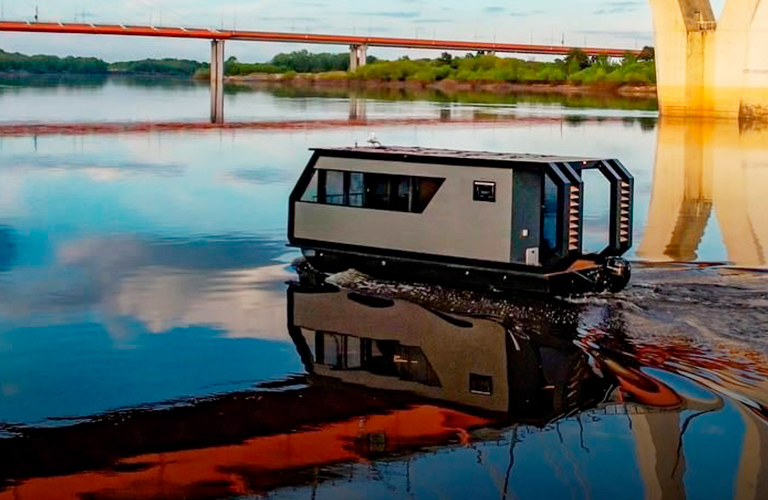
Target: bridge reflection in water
(390,380)
(707,169)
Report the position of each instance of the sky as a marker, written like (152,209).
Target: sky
(610,23)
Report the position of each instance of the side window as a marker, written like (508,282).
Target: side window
(377,191)
(396,193)
(424,190)
(334,188)
(310,194)
(401,194)
(356,190)
(484,191)
(550,222)
(480,384)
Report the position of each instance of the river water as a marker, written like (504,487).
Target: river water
(151,345)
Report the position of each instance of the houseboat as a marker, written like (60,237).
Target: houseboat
(497,220)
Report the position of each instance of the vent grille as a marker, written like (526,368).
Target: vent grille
(573,219)
(625,204)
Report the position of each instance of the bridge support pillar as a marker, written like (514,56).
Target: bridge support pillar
(684,41)
(707,68)
(358,54)
(217,81)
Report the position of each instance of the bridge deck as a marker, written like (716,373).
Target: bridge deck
(269,36)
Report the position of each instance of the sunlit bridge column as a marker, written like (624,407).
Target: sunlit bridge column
(684,32)
(217,81)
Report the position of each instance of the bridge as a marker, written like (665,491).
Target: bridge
(354,121)
(358,45)
(706,67)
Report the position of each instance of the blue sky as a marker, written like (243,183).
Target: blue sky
(614,23)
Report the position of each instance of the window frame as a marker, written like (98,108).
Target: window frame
(477,195)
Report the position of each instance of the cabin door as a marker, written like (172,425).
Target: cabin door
(526,217)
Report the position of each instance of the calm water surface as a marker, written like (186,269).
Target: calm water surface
(151,346)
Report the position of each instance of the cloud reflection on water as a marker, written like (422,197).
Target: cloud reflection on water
(163,284)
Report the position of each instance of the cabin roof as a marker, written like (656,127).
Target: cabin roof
(400,152)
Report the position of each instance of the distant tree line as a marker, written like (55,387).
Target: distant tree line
(41,64)
(300,61)
(577,67)
(303,61)
(12,62)
(171,67)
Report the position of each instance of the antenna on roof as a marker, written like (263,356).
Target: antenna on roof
(373,141)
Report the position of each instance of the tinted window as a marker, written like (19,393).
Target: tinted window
(356,189)
(334,188)
(397,193)
(310,194)
(424,191)
(377,191)
(484,191)
(401,194)
(549,214)
(480,384)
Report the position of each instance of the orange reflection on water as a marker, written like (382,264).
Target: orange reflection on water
(706,168)
(259,464)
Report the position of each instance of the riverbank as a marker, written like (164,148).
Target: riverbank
(339,80)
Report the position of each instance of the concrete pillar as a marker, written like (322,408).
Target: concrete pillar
(742,39)
(352,58)
(358,54)
(217,81)
(362,56)
(708,68)
(684,33)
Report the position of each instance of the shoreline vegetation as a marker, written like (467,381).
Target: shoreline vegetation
(577,73)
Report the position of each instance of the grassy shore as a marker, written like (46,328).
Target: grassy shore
(449,86)
(576,73)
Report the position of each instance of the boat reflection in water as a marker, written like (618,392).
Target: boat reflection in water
(493,394)
(474,363)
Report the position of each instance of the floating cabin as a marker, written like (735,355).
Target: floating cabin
(499,220)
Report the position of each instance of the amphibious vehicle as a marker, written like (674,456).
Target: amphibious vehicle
(499,220)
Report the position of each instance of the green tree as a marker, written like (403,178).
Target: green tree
(648,54)
(576,60)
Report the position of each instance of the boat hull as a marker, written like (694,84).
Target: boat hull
(591,274)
